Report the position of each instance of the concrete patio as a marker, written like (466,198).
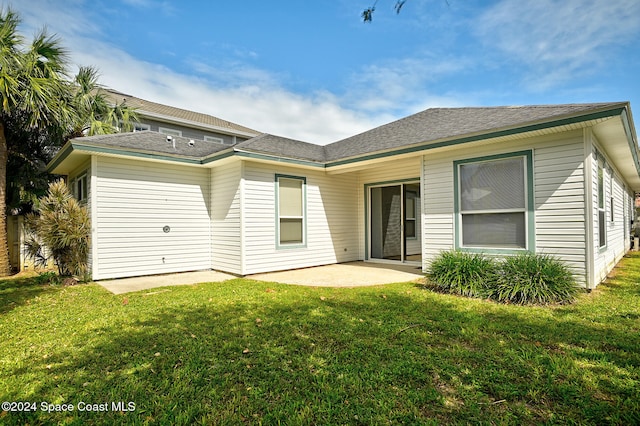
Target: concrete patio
(352,274)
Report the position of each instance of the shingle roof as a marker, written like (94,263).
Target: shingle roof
(155,143)
(283,147)
(154,108)
(421,129)
(445,123)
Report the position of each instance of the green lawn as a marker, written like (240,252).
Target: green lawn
(246,352)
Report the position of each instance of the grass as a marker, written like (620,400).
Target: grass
(246,352)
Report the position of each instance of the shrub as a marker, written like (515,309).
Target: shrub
(47,277)
(529,278)
(59,230)
(523,279)
(467,274)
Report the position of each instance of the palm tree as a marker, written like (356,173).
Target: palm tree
(96,114)
(41,108)
(34,91)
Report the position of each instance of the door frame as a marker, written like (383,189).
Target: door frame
(368,219)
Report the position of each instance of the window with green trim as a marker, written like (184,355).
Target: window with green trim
(602,236)
(493,196)
(79,188)
(291,210)
(410,214)
(610,173)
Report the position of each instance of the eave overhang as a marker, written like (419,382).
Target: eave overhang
(612,123)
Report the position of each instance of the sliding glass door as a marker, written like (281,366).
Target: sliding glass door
(394,230)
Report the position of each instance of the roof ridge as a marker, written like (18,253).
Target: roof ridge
(522,106)
(179,114)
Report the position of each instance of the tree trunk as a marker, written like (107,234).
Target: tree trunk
(5,268)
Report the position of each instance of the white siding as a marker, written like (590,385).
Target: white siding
(559,202)
(330,222)
(136,200)
(558,196)
(605,258)
(225,218)
(438,206)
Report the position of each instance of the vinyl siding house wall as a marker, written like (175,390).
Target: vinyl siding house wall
(191,132)
(559,225)
(226,224)
(553,179)
(149,218)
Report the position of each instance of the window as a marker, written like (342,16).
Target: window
(80,188)
(214,139)
(601,204)
(139,127)
(625,207)
(290,197)
(610,193)
(171,132)
(493,202)
(410,209)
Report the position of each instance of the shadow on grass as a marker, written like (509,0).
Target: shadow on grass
(312,356)
(16,292)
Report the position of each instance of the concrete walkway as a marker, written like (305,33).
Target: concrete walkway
(352,274)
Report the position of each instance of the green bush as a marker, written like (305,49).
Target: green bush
(524,278)
(59,230)
(529,278)
(467,274)
(47,277)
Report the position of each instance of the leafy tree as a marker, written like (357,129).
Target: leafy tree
(33,93)
(28,154)
(31,149)
(96,114)
(59,230)
(40,109)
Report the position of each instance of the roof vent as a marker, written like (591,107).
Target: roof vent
(192,142)
(169,138)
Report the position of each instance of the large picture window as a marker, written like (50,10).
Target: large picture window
(492,202)
(291,210)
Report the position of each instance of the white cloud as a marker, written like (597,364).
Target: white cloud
(242,93)
(402,85)
(559,39)
(261,104)
(67,21)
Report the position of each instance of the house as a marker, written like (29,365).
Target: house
(181,122)
(153,116)
(556,179)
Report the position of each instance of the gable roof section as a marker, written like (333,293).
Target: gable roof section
(178,115)
(432,128)
(270,145)
(451,124)
(145,144)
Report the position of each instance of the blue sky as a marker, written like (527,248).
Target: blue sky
(314,71)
